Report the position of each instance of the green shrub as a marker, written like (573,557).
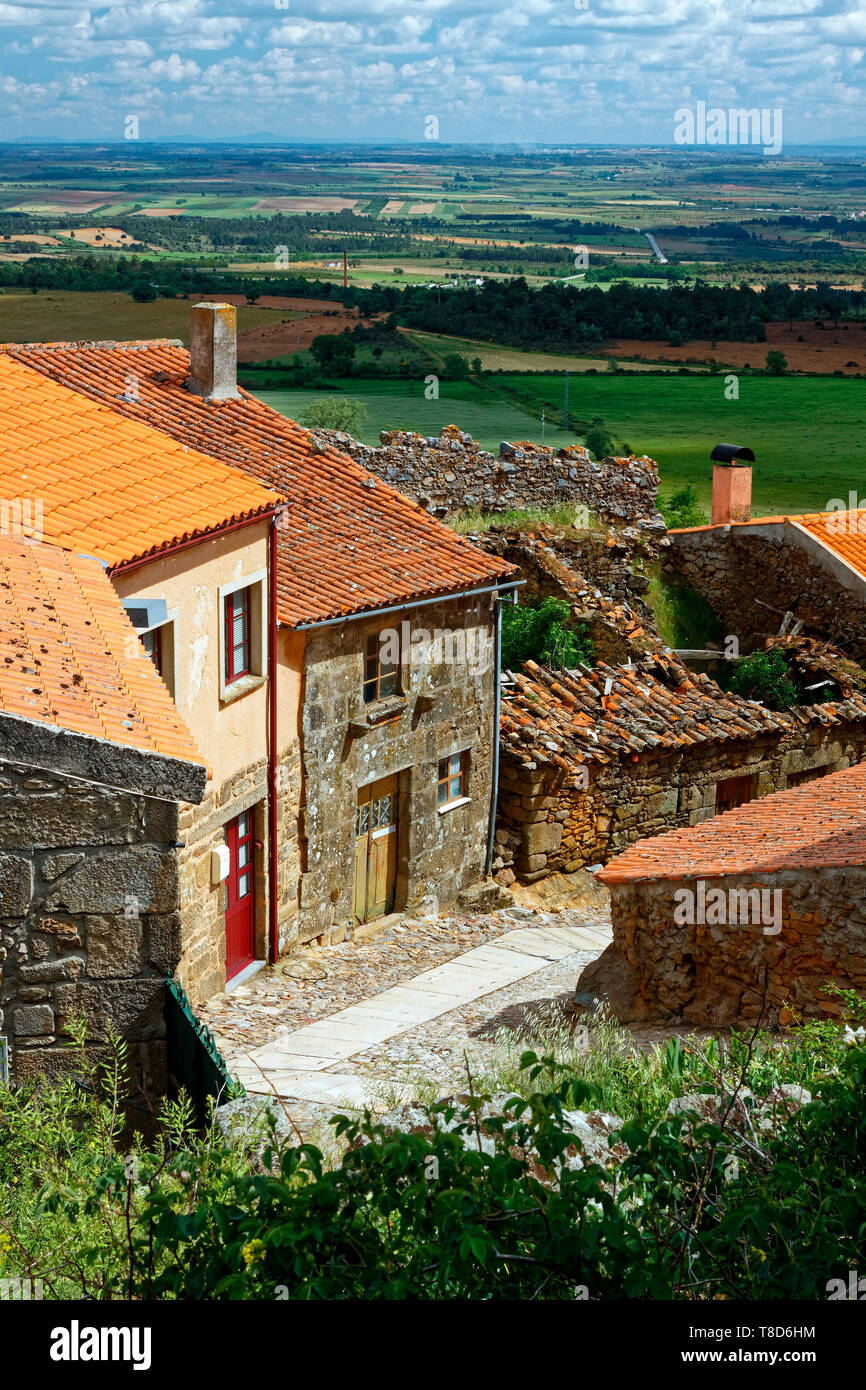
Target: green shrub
(539,634)
(693,1211)
(682,508)
(343,413)
(764,676)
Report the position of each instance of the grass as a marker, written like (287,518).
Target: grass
(633,1083)
(66,316)
(402,405)
(805,431)
(683,617)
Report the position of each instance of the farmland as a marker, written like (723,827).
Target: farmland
(805,432)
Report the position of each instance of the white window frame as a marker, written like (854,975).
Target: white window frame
(258,635)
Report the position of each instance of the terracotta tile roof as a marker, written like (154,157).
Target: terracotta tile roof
(106,485)
(598,715)
(349,542)
(843,532)
(819,825)
(70,657)
(609,712)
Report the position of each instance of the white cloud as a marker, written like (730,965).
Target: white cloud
(373,67)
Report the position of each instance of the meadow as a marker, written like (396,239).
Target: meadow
(805,431)
(394,405)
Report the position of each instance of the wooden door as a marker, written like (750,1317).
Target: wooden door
(375,849)
(240,899)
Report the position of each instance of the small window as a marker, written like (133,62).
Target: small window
(381,675)
(237,635)
(152,643)
(452,779)
(159,645)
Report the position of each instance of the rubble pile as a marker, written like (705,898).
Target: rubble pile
(451,472)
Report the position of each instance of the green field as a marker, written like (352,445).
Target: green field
(401,405)
(805,431)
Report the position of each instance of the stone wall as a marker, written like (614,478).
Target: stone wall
(741,571)
(203,904)
(451,472)
(559,821)
(445,707)
(708,975)
(88,919)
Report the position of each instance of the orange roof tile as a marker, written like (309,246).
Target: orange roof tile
(70,657)
(843,532)
(90,480)
(819,825)
(349,542)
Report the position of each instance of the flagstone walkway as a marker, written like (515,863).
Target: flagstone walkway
(316,1063)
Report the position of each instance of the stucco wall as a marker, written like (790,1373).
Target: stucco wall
(439,854)
(229,735)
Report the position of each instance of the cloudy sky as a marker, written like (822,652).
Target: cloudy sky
(562,71)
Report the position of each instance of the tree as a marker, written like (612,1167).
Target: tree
(143,292)
(333,352)
(777,363)
(454,367)
(599,441)
(343,413)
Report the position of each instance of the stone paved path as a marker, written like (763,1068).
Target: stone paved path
(343,1058)
(292,1064)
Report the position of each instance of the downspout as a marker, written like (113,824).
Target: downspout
(498,601)
(273,626)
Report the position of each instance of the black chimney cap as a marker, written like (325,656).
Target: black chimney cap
(730,453)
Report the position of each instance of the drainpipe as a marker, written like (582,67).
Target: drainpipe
(273,627)
(503,597)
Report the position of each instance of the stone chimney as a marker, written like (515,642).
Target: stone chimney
(213,351)
(732,493)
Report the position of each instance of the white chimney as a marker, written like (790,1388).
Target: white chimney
(213,351)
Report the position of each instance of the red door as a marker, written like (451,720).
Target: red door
(239,900)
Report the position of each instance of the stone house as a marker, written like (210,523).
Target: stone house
(331,646)
(748,917)
(753,572)
(95,765)
(595,759)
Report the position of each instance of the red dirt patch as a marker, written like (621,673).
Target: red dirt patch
(823,350)
(285,336)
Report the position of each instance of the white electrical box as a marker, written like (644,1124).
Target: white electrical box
(219,863)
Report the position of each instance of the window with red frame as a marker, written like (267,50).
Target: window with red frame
(237,635)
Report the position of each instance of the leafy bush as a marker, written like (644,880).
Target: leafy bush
(694,1210)
(682,508)
(599,440)
(764,676)
(344,413)
(538,634)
